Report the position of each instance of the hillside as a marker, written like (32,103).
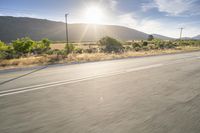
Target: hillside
(12,28)
(162,37)
(197,37)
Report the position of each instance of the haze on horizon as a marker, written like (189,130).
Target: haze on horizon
(150,16)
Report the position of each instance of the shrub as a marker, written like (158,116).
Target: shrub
(78,50)
(184,43)
(159,44)
(146,48)
(110,45)
(128,48)
(38,48)
(91,50)
(169,45)
(135,45)
(197,43)
(151,46)
(69,48)
(137,48)
(6,52)
(144,43)
(150,38)
(41,46)
(23,45)
(46,43)
(3,46)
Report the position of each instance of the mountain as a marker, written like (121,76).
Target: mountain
(162,37)
(187,38)
(12,28)
(197,37)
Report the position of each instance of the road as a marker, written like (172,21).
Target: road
(157,94)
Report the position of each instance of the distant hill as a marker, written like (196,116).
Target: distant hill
(187,38)
(12,28)
(197,37)
(162,37)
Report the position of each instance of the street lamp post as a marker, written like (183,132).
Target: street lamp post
(67,38)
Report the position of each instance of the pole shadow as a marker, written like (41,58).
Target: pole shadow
(7,81)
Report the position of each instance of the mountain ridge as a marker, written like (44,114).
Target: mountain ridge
(12,28)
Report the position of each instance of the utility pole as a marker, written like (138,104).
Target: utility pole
(67,38)
(181,32)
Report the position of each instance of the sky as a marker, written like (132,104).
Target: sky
(163,17)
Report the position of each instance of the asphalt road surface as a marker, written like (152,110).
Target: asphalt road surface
(157,94)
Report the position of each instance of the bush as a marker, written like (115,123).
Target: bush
(69,48)
(78,50)
(169,45)
(91,50)
(6,52)
(23,46)
(150,38)
(152,46)
(3,46)
(197,43)
(135,45)
(146,48)
(184,43)
(128,48)
(46,43)
(137,48)
(38,48)
(110,45)
(159,44)
(144,44)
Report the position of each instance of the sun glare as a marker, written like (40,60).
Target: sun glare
(94,14)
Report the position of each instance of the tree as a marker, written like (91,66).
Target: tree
(3,46)
(69,48)
(150,38)
(110,44)
(6,52)
(23,45)
(46,43)
(41,46)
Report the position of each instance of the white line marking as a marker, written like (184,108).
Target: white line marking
(144,67)
(63,82)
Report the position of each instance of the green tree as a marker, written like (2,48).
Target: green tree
(23,45)
(144,44)
(3,46)
(69,48)
(110,44)
(6,51)
(150,38)
(40,46)
(46,43)
(136,46)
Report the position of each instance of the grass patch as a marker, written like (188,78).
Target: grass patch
(87,57)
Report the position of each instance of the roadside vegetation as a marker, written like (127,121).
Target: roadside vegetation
(25,51)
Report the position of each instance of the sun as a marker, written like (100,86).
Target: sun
(94,14)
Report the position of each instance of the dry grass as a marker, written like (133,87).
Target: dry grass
(85,57)
(59,46)
(86,45)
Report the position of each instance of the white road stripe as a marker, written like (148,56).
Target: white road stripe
(145,67)
(64,82)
